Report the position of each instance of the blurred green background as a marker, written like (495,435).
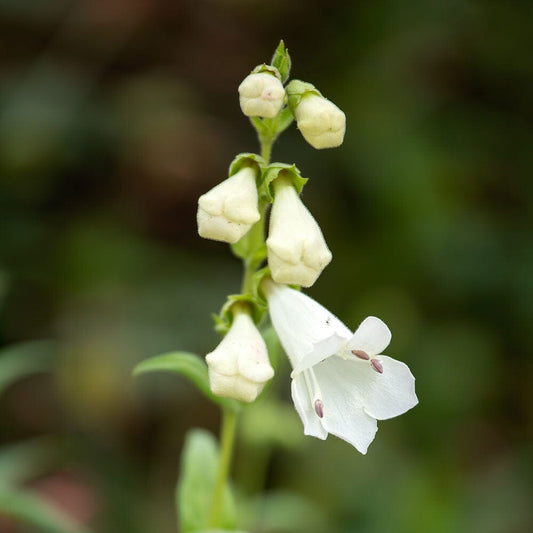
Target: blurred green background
(115,115)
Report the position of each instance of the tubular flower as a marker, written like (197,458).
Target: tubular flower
(261,95)
(297,251)
(340,383)
(228,211)
(320,121)
(239,366)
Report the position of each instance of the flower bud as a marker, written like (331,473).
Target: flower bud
(297,251)
(261,95)
(228,211)
(320,121)
(239,366)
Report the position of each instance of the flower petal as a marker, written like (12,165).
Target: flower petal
(321,350)
(372,336)
(344,415)
(300,322)
(382,396)
(304,408)
(389,394)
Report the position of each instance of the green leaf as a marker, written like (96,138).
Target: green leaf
(282,61)
(22,461)
(196,485)
(188,365)
(20,360)
(27,507)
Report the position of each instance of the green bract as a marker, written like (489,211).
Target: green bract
(282,61)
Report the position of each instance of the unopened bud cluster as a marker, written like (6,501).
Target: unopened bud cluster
(296,251)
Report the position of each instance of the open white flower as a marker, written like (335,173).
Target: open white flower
(320,121)
(340,382)
(228,211)
(239,366)
(297,251)
(261,95)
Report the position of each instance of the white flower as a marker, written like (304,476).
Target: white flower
(261,95)
(297,251)
(321,122)
(228,211)
(339,385)
(239,366)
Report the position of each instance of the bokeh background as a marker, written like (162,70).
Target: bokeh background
(115,115)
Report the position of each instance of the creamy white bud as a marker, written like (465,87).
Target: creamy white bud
(321,122)
(261,95)
(228,211)
(239,366)
(297,251)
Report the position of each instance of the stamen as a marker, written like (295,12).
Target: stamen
(319,408)
(314,392)
(377,366)
(361,354)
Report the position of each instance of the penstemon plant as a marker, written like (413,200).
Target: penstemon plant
(341,382)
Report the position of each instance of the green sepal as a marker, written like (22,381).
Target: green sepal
(257,279)
(188,365)
(296,90)
(268,69)
(282,61)
(224,319)
(247,160)
(276,170)
(196,485)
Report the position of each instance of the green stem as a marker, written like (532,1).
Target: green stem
(227,440)
(229,418)
(266,147)
(256,237)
